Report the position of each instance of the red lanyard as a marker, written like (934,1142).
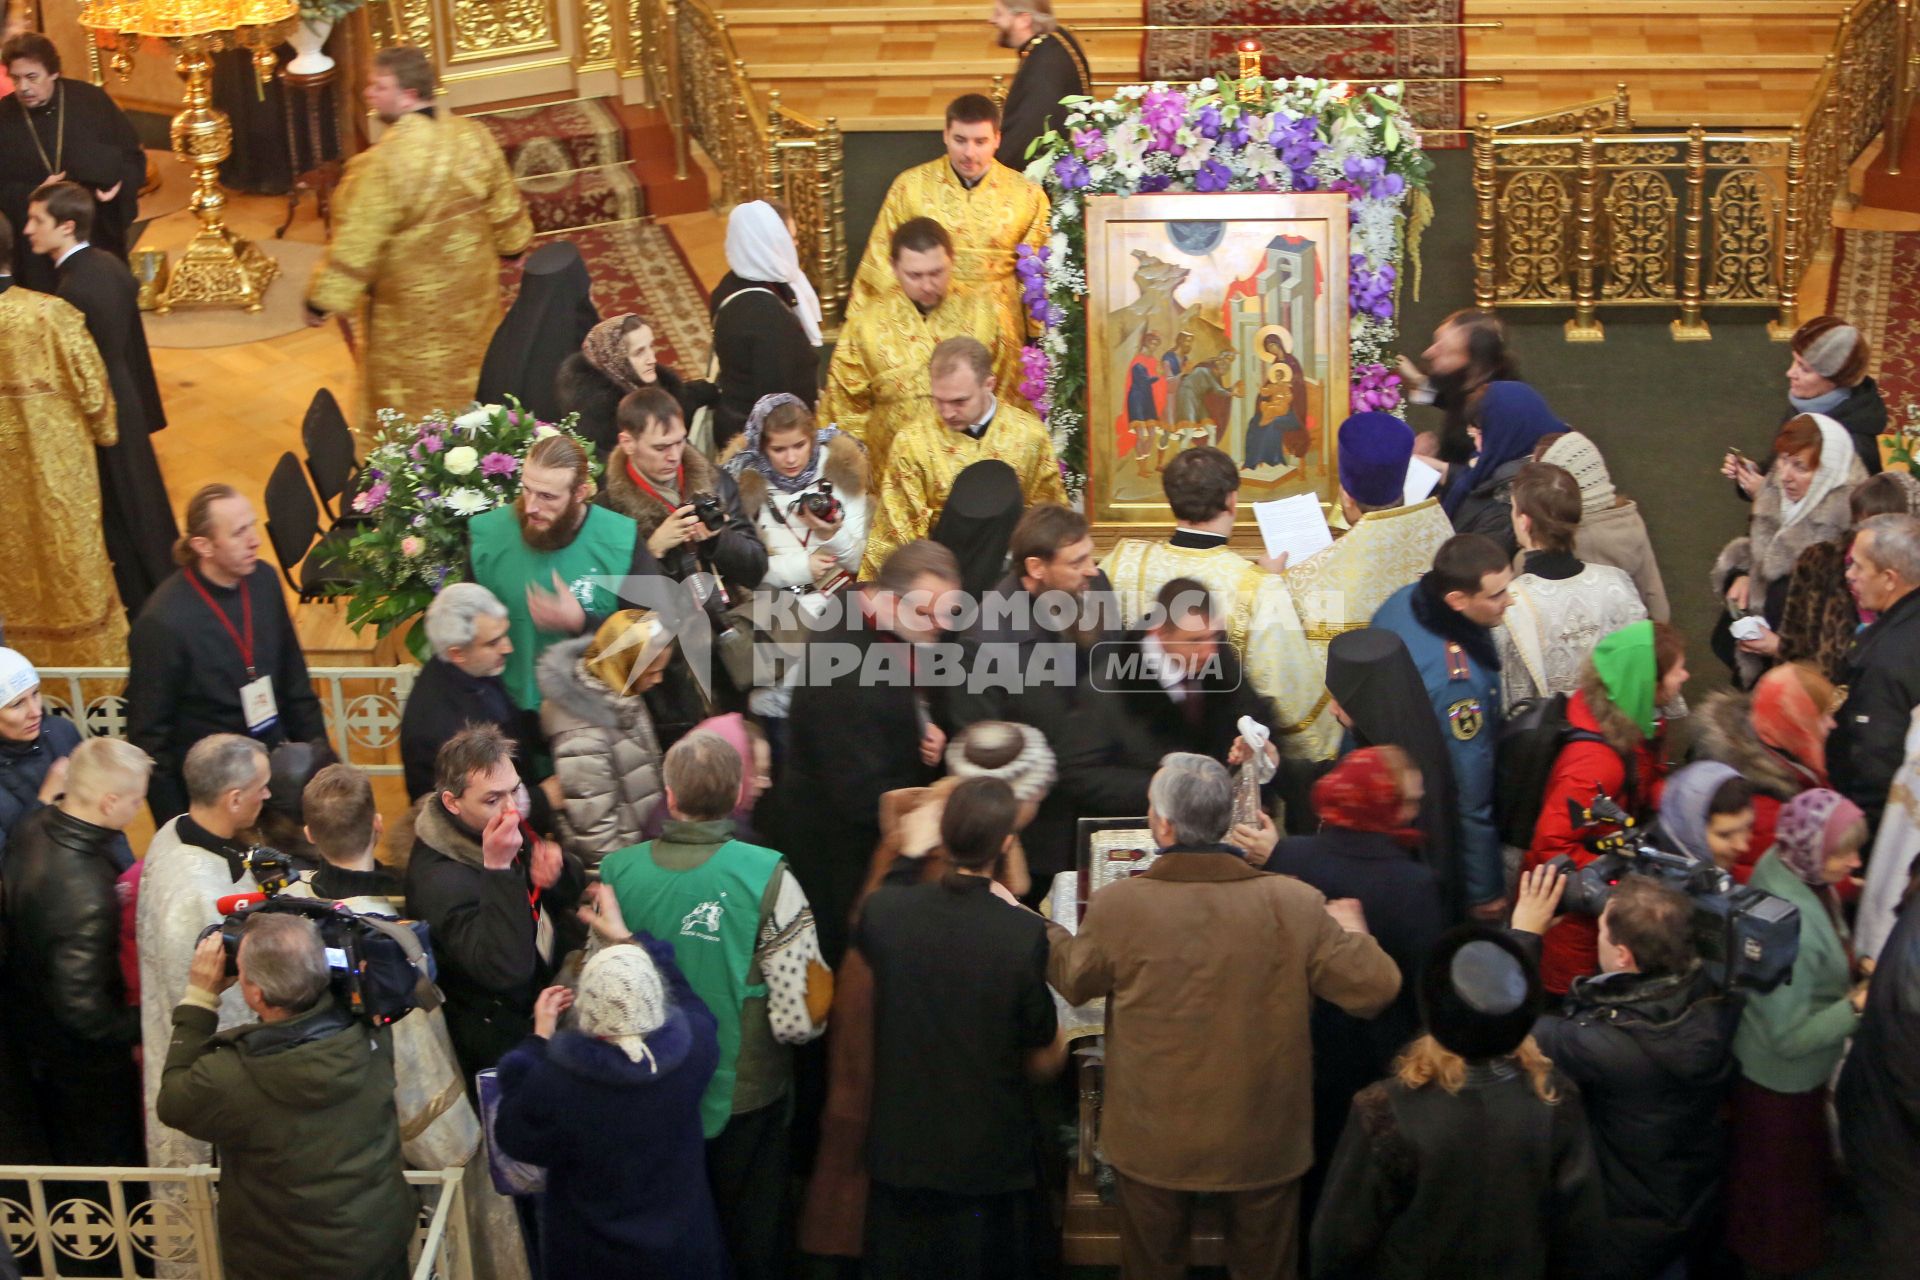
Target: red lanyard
(679,482)
(245,646)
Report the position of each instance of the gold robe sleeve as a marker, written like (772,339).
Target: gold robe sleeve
(849,396)
(86,374)
(506,208)
(875,275)
(364,219)
(906,502)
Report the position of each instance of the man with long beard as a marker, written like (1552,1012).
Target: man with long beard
(549,558)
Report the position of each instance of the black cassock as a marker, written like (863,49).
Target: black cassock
(1052,67)
(134,510)
(81,133)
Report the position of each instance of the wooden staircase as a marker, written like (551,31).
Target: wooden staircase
(1716,62)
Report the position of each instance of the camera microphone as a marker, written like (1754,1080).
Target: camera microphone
(238,902)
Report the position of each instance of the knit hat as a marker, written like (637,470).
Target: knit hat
(1628,665)
(16,675)
(621,999)
(1017,754)
(1479,994)
(1580,458)
(1374,451)
(1829,351)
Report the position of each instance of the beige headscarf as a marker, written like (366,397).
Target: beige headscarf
(622,1000)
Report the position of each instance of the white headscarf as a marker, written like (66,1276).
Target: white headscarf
(759,248)
(622,1000)
(1836,463)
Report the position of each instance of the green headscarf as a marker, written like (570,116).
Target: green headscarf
(1626,663)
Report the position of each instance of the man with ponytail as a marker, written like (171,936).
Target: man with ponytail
(214,651)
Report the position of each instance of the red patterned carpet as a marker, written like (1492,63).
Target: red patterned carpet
(637,266)
(1188,55)
(1876,285)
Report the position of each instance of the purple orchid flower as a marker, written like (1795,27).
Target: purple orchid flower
(1071,173)
(1213,176)
(372,498)
(1090,143)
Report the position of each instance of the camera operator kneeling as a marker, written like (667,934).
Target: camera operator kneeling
(1649,1041)
(300,1107)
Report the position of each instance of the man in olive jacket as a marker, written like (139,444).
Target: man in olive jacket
(1210,968)
(300,1108)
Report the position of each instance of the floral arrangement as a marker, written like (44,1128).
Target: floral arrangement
(327,10)
(417,489)
(1220,135)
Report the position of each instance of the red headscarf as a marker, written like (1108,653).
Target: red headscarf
(1787,718)
(1362,793)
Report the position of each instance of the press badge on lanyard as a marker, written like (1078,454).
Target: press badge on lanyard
(256,695)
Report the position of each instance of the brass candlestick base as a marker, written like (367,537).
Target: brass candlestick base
(218,268)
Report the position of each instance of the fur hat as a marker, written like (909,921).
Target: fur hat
(1479,993)
(1580,458)
(1374,451)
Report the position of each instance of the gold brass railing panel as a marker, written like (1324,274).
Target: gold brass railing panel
(1574,208)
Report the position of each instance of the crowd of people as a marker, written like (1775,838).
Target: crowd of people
(748,825)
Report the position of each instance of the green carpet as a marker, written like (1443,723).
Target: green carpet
(1662,412)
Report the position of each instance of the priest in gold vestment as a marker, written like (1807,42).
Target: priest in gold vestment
(420,223)
(57,597)
(1387,545)
(967,425)
(877,382)
(1203,487)
(988,209)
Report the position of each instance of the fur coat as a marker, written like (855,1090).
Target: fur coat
(735,550)
(605,754)
(1768,552)
(580,388)
(788,558)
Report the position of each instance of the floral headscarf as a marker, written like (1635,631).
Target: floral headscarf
(1809,827)
(1362,793)
(750,454)
(605,348)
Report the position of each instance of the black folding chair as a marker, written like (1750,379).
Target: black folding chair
(293,527)
(330,450)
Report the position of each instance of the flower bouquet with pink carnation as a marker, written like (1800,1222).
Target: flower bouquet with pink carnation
(417,489)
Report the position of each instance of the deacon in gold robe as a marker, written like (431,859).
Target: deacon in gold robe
(57,596)
(1387,545)
(420,223)
(967,425)
(877,382)
(989,210)
(1203,487)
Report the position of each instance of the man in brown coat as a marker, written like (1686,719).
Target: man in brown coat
(1210,968)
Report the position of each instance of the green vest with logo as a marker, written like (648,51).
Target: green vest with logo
(504,564)
(711,914)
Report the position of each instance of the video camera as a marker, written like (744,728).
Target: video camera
(379,968)
(1746,938)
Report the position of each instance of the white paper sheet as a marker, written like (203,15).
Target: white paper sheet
(1294,525)
(1421,480)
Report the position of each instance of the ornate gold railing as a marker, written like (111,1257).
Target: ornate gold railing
(1573,209)
(761,152)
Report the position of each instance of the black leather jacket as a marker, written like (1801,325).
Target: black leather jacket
(63,926)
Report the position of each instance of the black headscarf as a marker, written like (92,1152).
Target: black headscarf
(549,319)
(1373,678)
(977,522)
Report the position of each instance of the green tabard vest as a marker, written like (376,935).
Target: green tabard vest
(711,914)
(504,564)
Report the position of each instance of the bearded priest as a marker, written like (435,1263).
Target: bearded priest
(550,557)
(1203,488)
(989,210)
(420,224)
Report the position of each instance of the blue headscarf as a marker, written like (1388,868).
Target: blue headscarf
(1512,418)
(1687,802)
(752,456)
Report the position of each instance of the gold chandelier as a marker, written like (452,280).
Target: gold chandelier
(218,268)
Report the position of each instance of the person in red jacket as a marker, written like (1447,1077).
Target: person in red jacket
(1632,672)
